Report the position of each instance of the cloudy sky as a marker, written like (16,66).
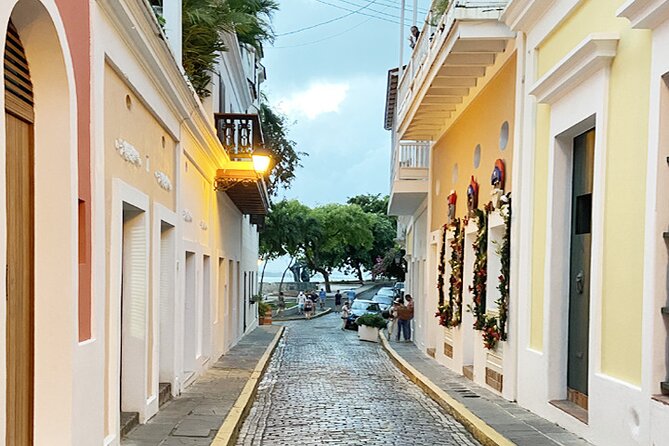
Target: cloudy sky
(330,82)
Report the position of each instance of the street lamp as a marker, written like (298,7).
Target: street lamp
(229,178)
(261,160)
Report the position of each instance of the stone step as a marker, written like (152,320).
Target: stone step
(129,420)
(164,393)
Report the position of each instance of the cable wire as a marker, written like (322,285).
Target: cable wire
(295,31)
(396,21)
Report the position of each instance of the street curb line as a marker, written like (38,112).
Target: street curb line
(323,313)
(227,433)
(479,429)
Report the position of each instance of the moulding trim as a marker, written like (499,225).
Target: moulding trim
(645,14)
(163,180)
(595,52)
(128,152)
(522,15)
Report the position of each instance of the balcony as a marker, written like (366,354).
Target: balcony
(448,60)
(241,135)
(409,175)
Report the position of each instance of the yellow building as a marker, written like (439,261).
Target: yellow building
(452,110)
(578,91)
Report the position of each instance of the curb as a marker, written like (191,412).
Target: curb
(479,429)
(302,318)
(227,433)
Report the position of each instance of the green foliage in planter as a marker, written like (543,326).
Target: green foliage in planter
(372,320)
(263,308)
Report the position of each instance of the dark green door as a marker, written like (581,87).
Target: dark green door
(579,271)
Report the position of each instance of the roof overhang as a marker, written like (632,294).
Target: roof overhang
(391,98)
(469,48)
(245,187)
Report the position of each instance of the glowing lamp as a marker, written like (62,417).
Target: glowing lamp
(261,160)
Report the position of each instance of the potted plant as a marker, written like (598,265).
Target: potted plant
(369,326)
(264,313)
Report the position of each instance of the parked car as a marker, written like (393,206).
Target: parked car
(384,301)
(398,286)
(359,308)
(386,291)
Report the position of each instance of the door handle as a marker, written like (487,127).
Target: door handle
(579,282)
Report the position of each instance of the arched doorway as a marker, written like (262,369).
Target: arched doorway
(19,119)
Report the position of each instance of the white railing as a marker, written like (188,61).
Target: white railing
(407,156)
(429,43)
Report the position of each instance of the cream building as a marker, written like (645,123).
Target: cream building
(136,274)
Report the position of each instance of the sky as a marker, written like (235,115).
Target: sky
(330,83)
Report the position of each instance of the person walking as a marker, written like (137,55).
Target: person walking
(308,308)
(322,295)
(281,304)
(301,299)
(337,301)
(345,313)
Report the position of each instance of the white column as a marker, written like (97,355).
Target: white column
(172,14)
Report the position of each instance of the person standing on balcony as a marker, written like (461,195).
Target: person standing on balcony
(413,38)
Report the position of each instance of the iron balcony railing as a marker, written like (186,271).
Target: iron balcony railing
(240,134)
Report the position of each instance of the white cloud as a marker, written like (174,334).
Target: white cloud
(318,99)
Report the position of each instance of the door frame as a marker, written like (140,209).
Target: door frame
(582,109)
(124,193)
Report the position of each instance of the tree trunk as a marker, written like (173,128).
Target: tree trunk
(262,277)
(326,277)
(359,269)
(284,274)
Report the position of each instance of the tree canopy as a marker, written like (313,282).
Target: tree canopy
(286,157)
(333,236)
(205,21)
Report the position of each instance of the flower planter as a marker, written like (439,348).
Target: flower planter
(366,333)
(266,319)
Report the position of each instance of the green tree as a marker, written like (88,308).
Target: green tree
(384,230)
(286,157)
(283,232)
(337,227)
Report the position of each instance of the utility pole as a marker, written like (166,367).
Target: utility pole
(401,67)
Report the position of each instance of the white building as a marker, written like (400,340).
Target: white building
(136,274)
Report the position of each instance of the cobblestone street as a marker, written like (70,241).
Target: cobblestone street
(324,386)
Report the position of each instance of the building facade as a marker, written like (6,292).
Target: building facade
(571,96)
(130,240)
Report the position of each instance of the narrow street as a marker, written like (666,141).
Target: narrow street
(324,386)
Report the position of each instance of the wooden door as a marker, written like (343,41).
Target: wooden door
(20,243)
(579,271)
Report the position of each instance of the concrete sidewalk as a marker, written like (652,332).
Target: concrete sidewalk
(490,418)
(194,418)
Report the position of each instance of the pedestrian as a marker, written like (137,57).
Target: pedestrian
(404,316)
(308,308)
(392,317)
(282,304)
(409,305)
(345,313)
(337,301)
(301,299)
(322,295)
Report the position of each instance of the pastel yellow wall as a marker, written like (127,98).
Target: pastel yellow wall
(138,126)
(479,124)
(626,155)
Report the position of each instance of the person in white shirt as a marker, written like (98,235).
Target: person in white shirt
(301,298)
